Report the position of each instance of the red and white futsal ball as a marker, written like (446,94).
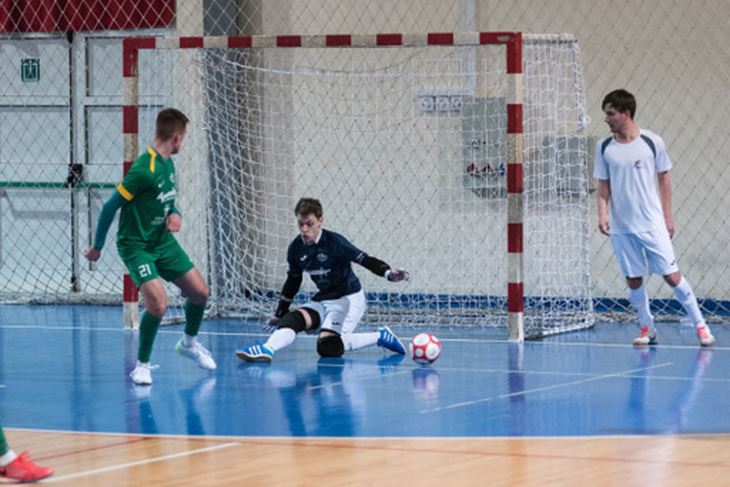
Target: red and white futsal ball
(425,348)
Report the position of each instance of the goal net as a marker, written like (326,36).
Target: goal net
(408,148)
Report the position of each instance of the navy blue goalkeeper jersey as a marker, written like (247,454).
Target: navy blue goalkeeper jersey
(327,262)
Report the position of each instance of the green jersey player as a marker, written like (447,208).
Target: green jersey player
(147,247)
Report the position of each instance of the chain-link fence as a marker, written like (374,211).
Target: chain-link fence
(61,97)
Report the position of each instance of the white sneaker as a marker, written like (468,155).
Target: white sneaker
(647,336)
(704,335)
(197,353)
(142,373)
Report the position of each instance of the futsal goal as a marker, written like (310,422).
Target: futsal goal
(460,157)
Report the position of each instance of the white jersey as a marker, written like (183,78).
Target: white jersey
(631,169)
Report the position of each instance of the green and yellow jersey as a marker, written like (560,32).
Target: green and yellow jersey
(149,189)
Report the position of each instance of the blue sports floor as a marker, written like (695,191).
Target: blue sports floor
(65,368)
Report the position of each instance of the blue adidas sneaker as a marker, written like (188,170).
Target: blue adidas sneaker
(390,341)
(256,353)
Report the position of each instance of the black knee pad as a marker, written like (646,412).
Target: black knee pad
(296,321)
(293,320)
(330,346)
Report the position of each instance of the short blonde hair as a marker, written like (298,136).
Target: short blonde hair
(169,122)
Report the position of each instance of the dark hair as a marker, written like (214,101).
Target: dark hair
(308,206)
(169,122)
(621,100)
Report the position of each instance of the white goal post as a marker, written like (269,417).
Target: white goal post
(459,156)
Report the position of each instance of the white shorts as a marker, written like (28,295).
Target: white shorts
(340,315)
(638,252)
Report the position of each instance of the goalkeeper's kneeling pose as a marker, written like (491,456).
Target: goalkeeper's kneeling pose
(336,309)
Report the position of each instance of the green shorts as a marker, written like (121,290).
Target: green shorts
(167,260)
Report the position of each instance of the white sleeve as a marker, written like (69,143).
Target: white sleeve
(600,168)
(663,163)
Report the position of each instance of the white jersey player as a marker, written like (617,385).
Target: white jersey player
(630,166)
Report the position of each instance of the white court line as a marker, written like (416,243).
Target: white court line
(134,464)
(546,388)
(361,378)
(118,329)
(300,440)
(544,343)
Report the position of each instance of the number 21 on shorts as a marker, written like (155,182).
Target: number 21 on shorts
(144,270)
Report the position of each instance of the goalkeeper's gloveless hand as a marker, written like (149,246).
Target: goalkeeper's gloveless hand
(397,274)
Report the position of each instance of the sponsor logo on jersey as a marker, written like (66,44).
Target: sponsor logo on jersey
(165,197)
(319,272)
(322,257)
(637,164)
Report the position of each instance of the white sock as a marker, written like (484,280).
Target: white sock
(7,458)
(188,340)
(640,300)
(282,337)
(356,341)
(685,296)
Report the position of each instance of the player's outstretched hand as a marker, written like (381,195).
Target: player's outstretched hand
(92,254)
(397,274)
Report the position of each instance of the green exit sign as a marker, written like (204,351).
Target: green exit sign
(30,69)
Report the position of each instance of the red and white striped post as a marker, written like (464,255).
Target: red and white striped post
(130,132)
(515,200)
(515,140)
